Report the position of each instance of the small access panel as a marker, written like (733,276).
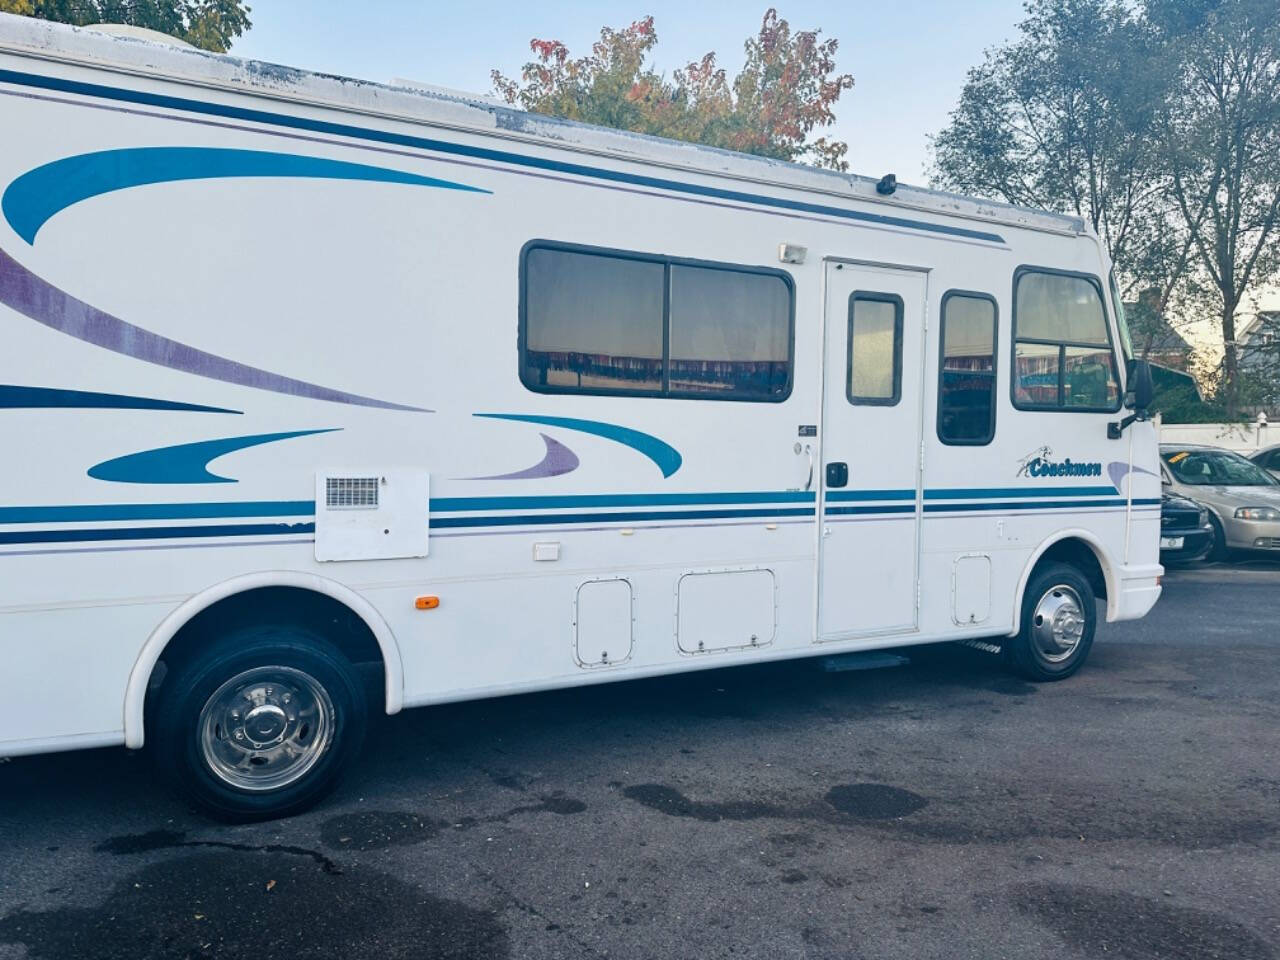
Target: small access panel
(602,623)
(372,514)
(971,589)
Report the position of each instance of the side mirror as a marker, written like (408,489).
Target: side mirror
(1142,387)
(1139,396)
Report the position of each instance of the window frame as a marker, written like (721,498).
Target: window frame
(874,296)
(667,261)
(1062,345)
(995,365)
(1122,321)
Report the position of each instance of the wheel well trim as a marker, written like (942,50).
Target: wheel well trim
(153,649)
(1216,515)
(1100,554)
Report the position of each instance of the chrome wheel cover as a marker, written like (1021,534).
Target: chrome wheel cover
(266,728)
(1057,623)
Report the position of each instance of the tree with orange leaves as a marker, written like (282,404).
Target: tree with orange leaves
(786,90)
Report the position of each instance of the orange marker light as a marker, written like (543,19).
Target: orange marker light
(427,603)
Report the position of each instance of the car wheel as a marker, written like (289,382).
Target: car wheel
(261,724)
(1059,616)
(1219,552)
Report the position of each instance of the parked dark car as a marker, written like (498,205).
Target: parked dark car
(1186,532)
(1268,458)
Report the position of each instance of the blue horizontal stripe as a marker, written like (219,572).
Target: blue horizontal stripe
(452,504)
(479,153)
(1024,505)
(993,493)
(871,494)
(303,507)
(307,508)
(541,519)
(79,513)
(892,508)
(155,533)
(157,511)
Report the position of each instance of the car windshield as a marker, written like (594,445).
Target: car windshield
(1202,467)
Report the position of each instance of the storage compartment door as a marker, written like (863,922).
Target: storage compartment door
(725,610)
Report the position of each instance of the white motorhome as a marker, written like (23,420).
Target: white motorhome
(304,376)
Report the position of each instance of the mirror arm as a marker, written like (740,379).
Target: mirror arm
(1116,428)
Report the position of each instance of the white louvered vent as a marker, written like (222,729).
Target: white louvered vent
(351,493)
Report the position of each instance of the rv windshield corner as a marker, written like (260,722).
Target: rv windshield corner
(1122,321)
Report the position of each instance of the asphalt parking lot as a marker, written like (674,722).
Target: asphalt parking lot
(941,809)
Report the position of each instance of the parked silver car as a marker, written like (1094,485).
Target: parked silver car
(1268,458)
(1242,498)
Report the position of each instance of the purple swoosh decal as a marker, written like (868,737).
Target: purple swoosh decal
(558,460)
(43,302)
(1117,470)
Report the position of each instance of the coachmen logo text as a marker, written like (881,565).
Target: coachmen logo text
(1039,463)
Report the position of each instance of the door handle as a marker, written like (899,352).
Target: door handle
(808,451)
(837,474)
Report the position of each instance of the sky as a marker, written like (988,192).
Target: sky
(908,57)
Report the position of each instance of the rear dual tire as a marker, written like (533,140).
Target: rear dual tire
(1059,618)
(260,724)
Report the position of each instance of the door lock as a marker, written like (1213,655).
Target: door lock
(837,474)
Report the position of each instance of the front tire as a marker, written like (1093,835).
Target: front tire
(1059,617)
(260,724)
(1219,552)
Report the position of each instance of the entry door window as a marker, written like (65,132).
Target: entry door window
(875,349)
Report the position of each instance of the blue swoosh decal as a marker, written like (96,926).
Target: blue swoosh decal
(13,397)
(186,462)
(38,195)
(663,454)
(475,152)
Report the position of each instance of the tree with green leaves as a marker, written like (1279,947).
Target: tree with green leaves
(1159,123)
(1066,118)
(1063,119)
(1219,131)
(207,24)
(786,90)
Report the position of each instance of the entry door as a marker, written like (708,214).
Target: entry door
(870,473)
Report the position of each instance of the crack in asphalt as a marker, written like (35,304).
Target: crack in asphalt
(173,839)
(525,906)
(375,829)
